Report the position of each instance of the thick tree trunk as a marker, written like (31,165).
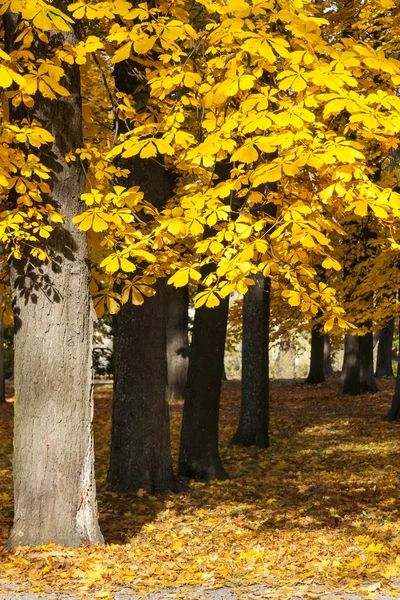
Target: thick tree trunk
(394,412)
(177,341)
(140,437)
(199,457)
(328,370)
(254,410)
(367,379)
(140,456)
(385,349)
(53,449)
(316,373)
(351,384)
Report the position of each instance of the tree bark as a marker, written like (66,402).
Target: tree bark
(177,341)
(351,384)
(316,373)
(385,349)
(140,438)
(54,486)
(367,379)
(254,409)
(199,457)
(328,370)
(394,411)
(140,456)
(2,370)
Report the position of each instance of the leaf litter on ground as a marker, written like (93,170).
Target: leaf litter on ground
(317,512)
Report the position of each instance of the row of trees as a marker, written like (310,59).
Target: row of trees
(233,146)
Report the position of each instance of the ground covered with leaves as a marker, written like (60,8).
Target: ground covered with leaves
(317,511)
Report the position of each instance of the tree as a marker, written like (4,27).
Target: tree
(198,454)
(394,411)
(385,351)
(2,365)
(53,314)
(351,384)
(177,341)
(254,409)
(328,370)
(317,362)
(140,456)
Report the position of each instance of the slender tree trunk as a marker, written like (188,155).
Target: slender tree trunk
(328,370)
(2,370)
(316,373)
(367,379)
(254,409)
(385,349)
(351,384)
(394,411)
(177,341)
(199,457)
(54,484)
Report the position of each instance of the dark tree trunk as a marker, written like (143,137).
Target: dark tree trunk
(54,486)
(140,456)
(316,373)
(2,370)
(367,379)
(328,370)
(394,412)
(140,439)
(385,348)
(351,384)
(177,341)
(254,409)
(199,457)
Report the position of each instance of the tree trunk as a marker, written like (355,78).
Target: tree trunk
(2,370)
(316,373)
(140,437)
(328,370)
(177,341)
(351,384)
(394,412)
(54,486)
(384,357)
(367,379)
(140,456)
(199,457)
(254,410)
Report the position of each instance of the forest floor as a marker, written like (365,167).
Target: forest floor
(317,515)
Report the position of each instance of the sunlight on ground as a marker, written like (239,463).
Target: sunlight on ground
(320,507)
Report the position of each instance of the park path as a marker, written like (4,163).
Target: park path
(253,592)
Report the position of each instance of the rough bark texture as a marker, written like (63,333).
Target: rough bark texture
(385,350)
(54,483)
(328,369)
(177,341)
(254,409)
(140,438)
(316,373)
(2,372)
(199,457)
(367,379)
(394,412)
(351,366)
(140,454)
